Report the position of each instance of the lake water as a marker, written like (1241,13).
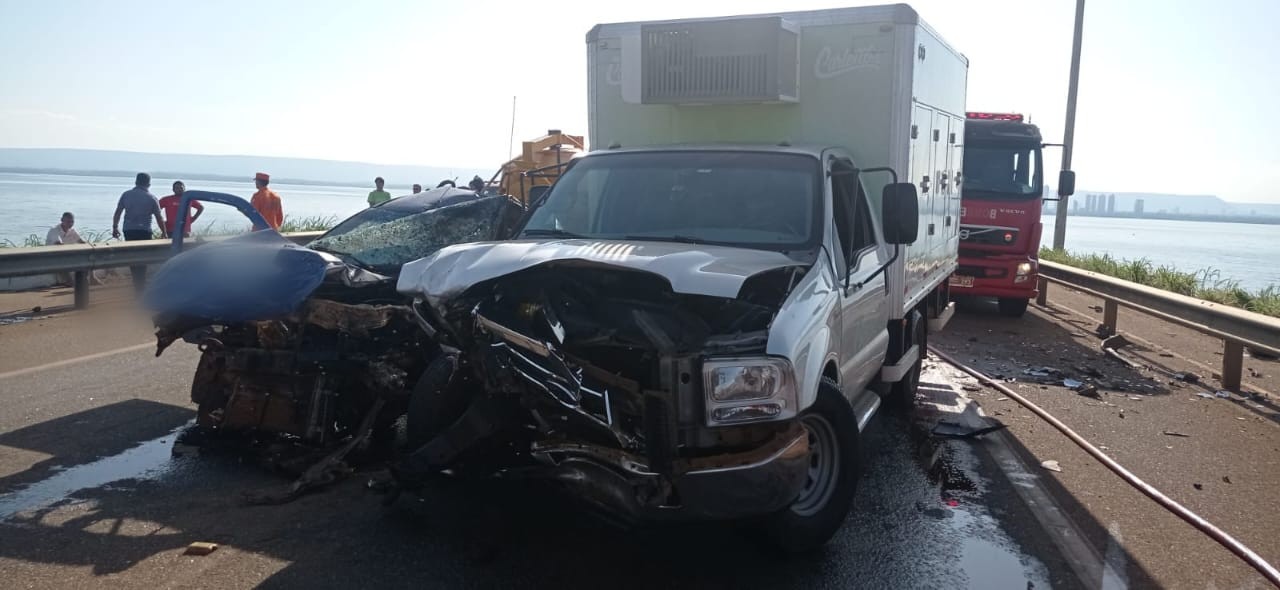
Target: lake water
(32,203)
(1244,252)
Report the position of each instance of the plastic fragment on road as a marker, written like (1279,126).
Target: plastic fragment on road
(1205,395)
(1051,465)
(1187,377)
(200,548)
(1222,394)
(1172,433)
(1070,383)
(1088,390)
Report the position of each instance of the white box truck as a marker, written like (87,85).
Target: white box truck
(703,313)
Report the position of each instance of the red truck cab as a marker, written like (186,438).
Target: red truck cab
(1001,191)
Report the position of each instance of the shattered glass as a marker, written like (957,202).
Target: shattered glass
(387,246)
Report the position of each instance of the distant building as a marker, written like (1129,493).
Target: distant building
(1138,205)
(1111,203)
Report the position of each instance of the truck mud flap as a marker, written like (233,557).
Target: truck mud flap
(940,322)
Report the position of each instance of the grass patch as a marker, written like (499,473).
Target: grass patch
(1207,284)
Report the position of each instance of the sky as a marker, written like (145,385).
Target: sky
(1175,95)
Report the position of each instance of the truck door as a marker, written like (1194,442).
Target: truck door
(936,226)
(864,309)
(924,178)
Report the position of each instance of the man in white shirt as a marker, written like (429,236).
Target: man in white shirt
(63,233)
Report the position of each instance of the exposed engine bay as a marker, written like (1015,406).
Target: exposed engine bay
(594,375)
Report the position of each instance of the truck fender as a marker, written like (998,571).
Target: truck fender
(806,331)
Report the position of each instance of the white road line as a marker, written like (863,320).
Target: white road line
(79,359)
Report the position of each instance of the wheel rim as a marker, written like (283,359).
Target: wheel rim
(824,466)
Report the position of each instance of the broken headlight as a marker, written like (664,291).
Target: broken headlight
(751,389)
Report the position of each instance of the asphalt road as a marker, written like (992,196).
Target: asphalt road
(90,494)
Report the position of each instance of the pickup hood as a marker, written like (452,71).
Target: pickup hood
(692,269)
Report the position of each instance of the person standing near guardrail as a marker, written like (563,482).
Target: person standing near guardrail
(170,204)
(139,207)
(378,196)
(267,202)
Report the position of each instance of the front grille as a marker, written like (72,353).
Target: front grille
(991,236)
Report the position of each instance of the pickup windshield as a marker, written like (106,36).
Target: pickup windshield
(746,199)
(1003,172)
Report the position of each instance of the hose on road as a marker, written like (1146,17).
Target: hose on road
(1231,543)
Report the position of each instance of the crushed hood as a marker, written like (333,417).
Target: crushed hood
(692,269)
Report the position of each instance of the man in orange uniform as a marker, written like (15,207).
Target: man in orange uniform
(267,202)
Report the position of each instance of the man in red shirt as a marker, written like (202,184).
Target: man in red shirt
(169,205)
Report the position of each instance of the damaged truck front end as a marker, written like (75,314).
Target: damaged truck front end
(647,341)
(647,403)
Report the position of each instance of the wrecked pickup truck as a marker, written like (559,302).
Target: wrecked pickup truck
(703,327)
(312,345)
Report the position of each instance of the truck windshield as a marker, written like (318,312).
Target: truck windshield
(746,199)
(1010,172)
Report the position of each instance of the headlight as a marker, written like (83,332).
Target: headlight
(1023,272)
(749,389)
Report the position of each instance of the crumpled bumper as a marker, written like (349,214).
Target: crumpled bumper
(735,485)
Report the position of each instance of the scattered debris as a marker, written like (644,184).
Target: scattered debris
(1197,486)
(1115,342)
(1035,372)
(1135,398)
(1167,355)
(200,548)
(1122,413)
(1205,395)
(1070,383)
(1002,399)
(1255,374)
(1088,390)
(1222,394)
(1177,434)
(36,309)
(1097,308)
(970,387)
(1187,377)
(953,430)
(1051,465)
(1226,479)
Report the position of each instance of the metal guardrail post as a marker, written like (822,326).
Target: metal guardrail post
(1110,313)
(81,282)
(1042,294)
(1232,364)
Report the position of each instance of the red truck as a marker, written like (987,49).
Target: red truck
(1002,190)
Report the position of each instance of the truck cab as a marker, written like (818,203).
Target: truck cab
(1002,190)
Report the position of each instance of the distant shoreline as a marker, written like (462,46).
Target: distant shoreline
(1251,219)
(188,176)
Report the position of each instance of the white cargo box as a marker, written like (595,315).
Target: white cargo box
(876,81)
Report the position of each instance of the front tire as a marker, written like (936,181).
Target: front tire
(834,469)
(1013,308)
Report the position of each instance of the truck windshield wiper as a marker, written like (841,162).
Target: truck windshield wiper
(679,239)
(548,232)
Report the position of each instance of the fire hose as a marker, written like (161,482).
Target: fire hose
(1200,523)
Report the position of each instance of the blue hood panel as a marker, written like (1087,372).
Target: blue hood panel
(255,276)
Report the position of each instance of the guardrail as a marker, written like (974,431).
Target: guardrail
(81,259)
(1236,327)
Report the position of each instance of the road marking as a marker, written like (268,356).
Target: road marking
(79,359)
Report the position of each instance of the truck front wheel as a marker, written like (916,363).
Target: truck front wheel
(1011,307)
(823,504)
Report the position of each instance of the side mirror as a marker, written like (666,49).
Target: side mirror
(900,213)
(1066,183)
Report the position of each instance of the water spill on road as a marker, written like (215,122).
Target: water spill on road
(148,460)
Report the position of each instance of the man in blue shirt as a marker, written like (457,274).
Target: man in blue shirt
(139,207)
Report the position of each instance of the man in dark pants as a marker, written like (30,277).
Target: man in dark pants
(139,207)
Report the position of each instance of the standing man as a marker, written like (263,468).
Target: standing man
(417,188)
(378,196)
(267,202)
(170,204)
(139,207)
